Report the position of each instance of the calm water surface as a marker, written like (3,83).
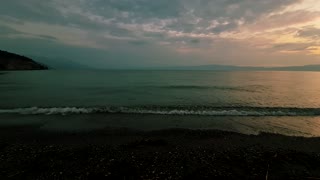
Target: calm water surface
(247,102)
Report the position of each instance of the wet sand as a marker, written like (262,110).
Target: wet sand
(27,152)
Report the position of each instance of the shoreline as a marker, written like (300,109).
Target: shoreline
(117,153)
(289,126)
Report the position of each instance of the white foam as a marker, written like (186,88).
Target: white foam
(127,110)
(47,111)
(213,112)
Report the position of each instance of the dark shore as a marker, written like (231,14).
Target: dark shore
(29,153)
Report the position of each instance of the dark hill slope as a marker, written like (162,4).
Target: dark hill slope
(10,61)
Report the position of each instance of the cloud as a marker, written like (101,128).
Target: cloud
(206,30)
(292,47)
(175,15)
(309,32)
(30,10)
(14,34)
(4,31)
(285,20)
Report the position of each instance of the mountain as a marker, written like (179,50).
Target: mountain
(244,68)
(209,67)
(297,68)
(11,61)
(60,63)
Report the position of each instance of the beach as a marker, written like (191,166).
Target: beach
(159,125)
(120,153)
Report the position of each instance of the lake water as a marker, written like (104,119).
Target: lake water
(247,102)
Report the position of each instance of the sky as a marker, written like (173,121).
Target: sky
(151,33)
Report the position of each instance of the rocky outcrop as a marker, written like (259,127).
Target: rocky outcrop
(10,61)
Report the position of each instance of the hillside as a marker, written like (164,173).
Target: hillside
(10,61)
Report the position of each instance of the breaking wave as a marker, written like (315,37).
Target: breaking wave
(200,111)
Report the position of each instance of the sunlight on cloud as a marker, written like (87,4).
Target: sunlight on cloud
(308,5)
(314,50)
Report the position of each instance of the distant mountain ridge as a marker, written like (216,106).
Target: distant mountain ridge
(10,61)
(60,63)
(245,68)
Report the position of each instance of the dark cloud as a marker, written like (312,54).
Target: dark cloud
(138,42)
(224,27)
(195,41)
(141,8)
(4,30)
(51,38)
(189,14)
(9,19)
(7,31)
(32,10)
(309,32)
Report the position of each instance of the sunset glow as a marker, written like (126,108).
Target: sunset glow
(179,32)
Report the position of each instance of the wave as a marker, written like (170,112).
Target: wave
(249,88)
(187,87)
(200,111)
